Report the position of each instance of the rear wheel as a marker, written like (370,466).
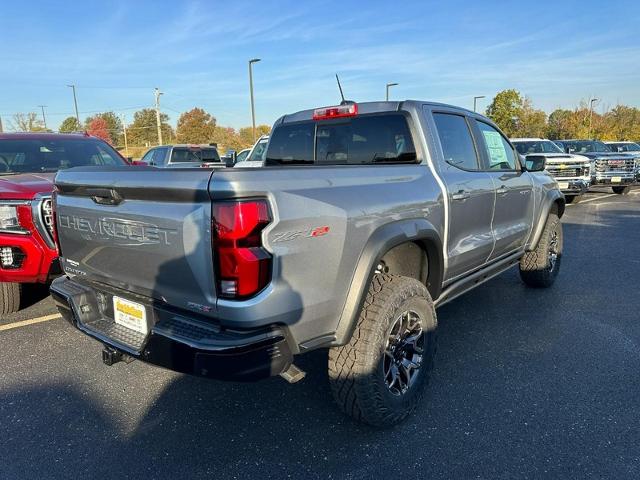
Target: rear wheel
(379,376)
(539,268)
(9,297)
(621,190)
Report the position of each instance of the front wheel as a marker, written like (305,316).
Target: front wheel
(379,376)
(621,190)
(572,198)
(539,268)
(10,293)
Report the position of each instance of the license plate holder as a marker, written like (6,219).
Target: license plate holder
(616,179)
(563,185)
(131,315)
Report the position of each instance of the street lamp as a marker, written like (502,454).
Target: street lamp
(44,118)
(253,109)
(591,102)
(75,103)
(475,99)
(390,85)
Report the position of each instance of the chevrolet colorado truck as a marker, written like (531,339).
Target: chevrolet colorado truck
(608,168)
(364,219)
(572,172)
(28,162)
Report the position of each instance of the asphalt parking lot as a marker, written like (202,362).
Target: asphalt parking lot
(528,384)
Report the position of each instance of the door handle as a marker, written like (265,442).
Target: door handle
(502,190)
(460,195)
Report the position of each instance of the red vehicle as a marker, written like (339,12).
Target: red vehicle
(28,163)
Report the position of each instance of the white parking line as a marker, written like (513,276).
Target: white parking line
(30,321)
(592,199)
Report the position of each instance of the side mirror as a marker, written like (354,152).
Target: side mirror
(232,154)
(229,161)
(535,163)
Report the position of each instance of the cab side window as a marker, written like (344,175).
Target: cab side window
(456,141)
(499,152)
(159,155)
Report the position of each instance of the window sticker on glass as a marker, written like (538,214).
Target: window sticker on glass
(497,153)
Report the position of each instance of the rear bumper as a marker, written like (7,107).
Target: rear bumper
(177,340)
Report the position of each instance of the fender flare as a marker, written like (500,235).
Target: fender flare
(551,198)
(419,231)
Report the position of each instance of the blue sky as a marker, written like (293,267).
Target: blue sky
(116,52)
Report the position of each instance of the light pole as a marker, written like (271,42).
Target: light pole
(157,94)
(591,102)
(390,85)
(253,109)
(124,130)
(75,103)
(475,100)
(44,119)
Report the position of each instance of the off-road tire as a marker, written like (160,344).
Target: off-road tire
(10,293)
(572,198)
(621,190)
(536,268)
(356,369)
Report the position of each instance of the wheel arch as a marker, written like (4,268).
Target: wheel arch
(417,232)
(553,201)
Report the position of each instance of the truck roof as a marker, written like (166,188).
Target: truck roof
(373,107)
(532,139)
(42,136)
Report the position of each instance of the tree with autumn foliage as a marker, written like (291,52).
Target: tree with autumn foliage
(98,128)
(196,126)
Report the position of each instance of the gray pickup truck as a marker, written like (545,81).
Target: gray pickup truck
(365,219)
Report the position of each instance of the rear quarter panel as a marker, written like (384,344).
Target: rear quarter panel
(312,274)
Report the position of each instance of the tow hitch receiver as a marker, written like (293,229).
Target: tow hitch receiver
(111,356)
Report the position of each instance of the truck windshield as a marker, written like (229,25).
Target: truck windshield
(258,152)
(357,140)
(194,154)
(37,155)
(587,146)
(541,146)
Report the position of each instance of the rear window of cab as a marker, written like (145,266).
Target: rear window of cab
(359,140)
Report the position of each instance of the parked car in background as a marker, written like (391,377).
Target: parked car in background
(28,163)
(365,218)
(624,147)
(256,156)
(608,168)
(242,155)
(181,156)
(572,172)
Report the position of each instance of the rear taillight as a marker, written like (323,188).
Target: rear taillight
(243,265)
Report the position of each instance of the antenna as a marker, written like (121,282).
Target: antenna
(340,88)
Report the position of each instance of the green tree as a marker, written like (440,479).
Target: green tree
(506,111)
(227,139)
(113,126)
(69,124)
(143,131)
(561,124)
(622,123)
(196,126)
(27,122)
(532,122)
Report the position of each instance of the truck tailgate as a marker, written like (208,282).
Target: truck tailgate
(143,230)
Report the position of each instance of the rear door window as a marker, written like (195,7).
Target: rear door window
(456,141)
(499,152)
(353,141)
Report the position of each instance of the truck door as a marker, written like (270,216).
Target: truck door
(513,213)
(470,195)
